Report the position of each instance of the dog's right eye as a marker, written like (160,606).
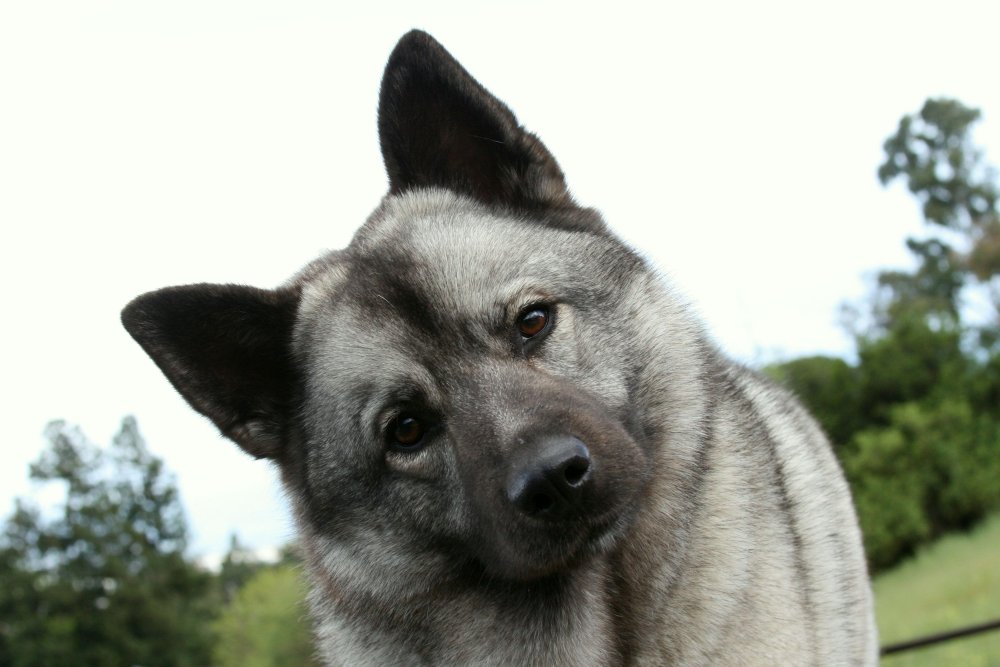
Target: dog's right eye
(406,433)
(533,325)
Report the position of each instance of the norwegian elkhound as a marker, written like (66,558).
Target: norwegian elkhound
(505,441)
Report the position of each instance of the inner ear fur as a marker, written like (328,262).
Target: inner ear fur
(438,127)
(227,350)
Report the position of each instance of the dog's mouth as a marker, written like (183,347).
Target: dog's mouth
(605,534)
(530,550)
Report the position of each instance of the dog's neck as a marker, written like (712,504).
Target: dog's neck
(570,617)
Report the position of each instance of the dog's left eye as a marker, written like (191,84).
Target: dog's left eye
(406,433)
(533,321)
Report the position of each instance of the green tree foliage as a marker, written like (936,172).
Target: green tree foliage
(916,420)
(934,468)
(909,361)
(930,293)
(933,151)
(264,625)
(101,580)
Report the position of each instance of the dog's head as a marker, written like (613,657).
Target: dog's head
(462,381)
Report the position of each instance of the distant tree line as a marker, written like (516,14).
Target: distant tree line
(916,419)
(103,580)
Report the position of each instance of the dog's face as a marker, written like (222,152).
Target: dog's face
(459,381)
(466,384)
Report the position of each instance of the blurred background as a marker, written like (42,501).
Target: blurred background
(817,181)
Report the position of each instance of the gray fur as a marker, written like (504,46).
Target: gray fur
(714,526)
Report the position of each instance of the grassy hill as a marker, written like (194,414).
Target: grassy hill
(954,582)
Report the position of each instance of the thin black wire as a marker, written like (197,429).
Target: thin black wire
(920,642)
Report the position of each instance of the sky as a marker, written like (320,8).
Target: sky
(152,143)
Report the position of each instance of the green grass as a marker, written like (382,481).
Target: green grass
(953,583)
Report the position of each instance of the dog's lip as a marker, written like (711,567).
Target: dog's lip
(586,532)
(582,518)
(570,544)
(609,523)
(599,537)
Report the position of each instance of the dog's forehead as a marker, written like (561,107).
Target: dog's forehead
(431,266)
(455,256)
(437,271)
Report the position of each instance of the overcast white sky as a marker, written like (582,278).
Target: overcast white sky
(145,144)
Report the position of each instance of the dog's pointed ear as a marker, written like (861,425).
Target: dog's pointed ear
(227,350)
(438,127)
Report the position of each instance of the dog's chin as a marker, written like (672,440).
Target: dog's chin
(556,549)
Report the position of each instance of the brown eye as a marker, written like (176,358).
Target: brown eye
(532,322)
(406,433)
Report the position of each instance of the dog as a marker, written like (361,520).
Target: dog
(505,440)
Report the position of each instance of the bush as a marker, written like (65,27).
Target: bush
(932,469)
(264,625)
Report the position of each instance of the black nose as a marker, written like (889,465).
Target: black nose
(551,484)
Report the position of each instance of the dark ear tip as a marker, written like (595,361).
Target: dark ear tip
(135,316)
(415,42)
(416,36)
(143,314)
(418,54)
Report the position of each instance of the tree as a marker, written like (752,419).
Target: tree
(238,566)
(934,152)
(917,419)
(931,293)
(910,361)
(102,579)
(925,458)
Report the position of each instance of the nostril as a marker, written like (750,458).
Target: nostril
(532,493)
(575,471)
